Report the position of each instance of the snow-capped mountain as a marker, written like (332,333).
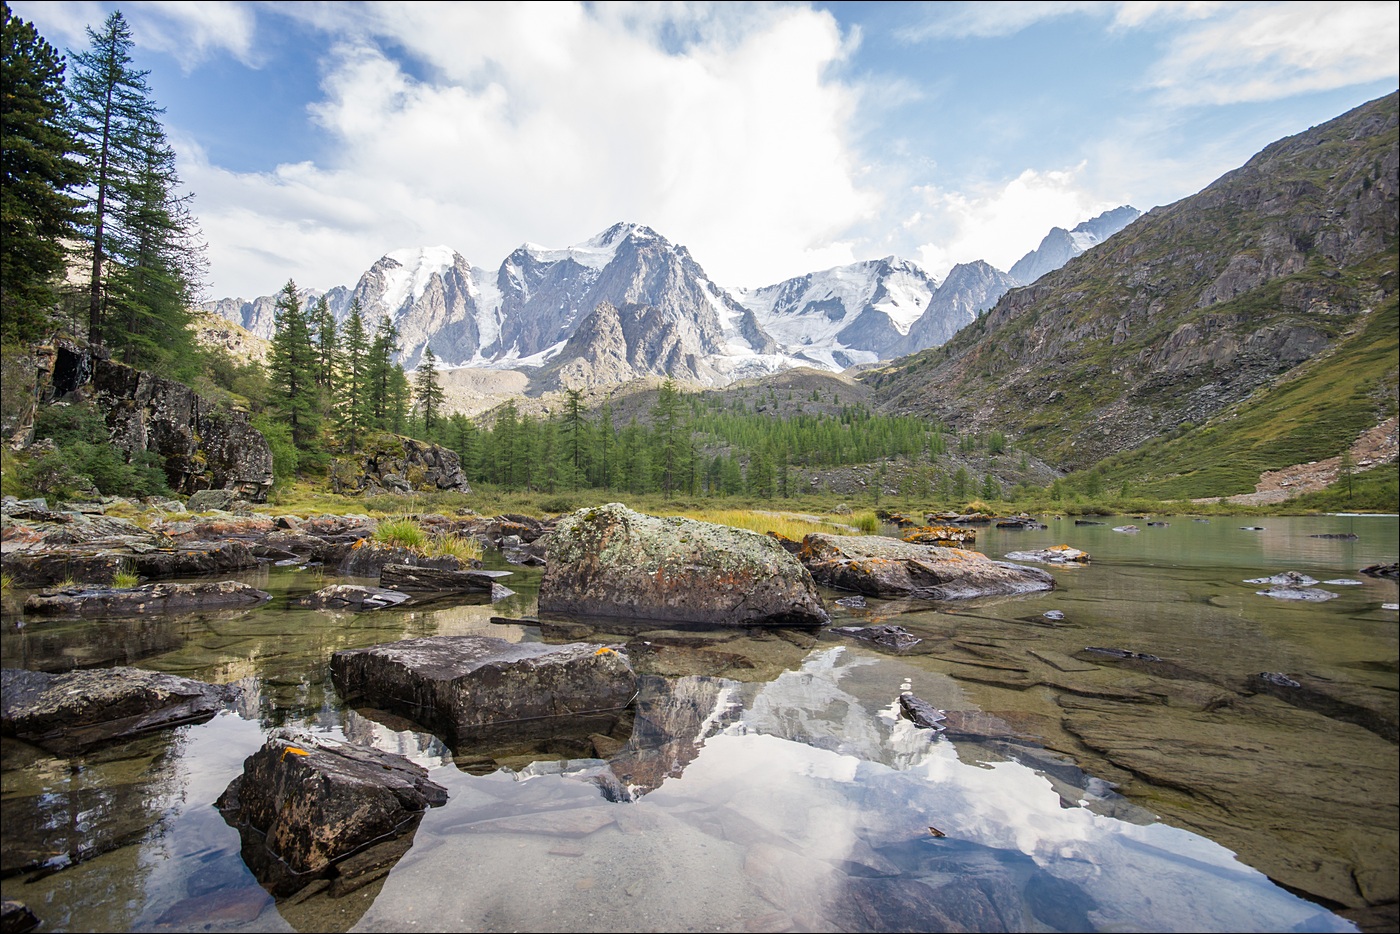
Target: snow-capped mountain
(1060,246)
(546,295)
(850,314)
(630,303)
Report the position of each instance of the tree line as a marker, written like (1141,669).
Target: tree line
(90,184)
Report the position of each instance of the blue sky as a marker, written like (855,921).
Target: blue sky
(771,139)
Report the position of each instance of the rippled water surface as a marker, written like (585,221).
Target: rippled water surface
(766,783)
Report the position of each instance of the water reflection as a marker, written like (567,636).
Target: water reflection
(766,783)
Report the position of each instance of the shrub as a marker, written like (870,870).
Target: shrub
(867,522)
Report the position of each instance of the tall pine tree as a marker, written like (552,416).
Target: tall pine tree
(112,108)
(39,168)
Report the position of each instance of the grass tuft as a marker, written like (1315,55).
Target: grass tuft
(401,533)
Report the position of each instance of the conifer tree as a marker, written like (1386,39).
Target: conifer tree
(112,112)
(292,370)
(428,392)
(326,341)
(38,170)
(355,362)
(157,260)
(379,377)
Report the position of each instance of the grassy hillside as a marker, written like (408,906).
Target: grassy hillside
(1316,412)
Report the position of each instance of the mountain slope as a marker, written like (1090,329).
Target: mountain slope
(1189,310)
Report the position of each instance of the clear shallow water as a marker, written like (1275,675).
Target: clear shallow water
(769,786)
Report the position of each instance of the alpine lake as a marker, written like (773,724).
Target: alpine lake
(764,780)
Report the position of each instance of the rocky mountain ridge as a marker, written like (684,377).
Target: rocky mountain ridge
(1191,309)
(543,311)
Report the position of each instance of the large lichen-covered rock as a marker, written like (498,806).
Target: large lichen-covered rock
(68,712)
(884,567)
(611,561)
(305,805)
(201,445)
(472,688)
(393,463)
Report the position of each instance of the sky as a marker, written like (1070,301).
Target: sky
(772,139)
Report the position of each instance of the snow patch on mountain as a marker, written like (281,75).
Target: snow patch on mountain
(414,271)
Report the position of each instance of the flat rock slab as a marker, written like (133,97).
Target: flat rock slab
(352,597)
(885,567)
(411,579)
(473,688)
(68,712)
(305,804)
(611,561)
(146,599)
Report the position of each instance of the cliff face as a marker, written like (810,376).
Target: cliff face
(1189,310)
(201,445)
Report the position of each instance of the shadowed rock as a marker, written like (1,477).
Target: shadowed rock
(883,567)
(306,807)
(476,688)
(67,712)
(611,561)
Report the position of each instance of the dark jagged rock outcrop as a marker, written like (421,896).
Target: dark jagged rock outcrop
(611,561)
(478,689)
(311,809)
(884,567)
(201,445)
(71,711)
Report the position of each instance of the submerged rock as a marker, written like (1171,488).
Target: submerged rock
(305,805)
(886,636)
(884,567)
(611,561)
(148,598)
(472,688)
(1304,594)
(68,712)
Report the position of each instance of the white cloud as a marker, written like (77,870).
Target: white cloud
(191,30)
(1259,52)
(986,20)
(718,126)
(188,30)
(1000,225)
